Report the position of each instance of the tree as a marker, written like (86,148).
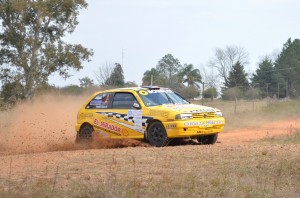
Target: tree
(12,91)
(31,40)
(210,93)
(130,84)
(237,83)
(104,72)
(287,66)
(86,82)
(231,93)
(154,75)
(237,77)
(225,59)
(116,78)
(189,92)
(71,90)
(168,67)
(188,74)
(265,76)
(209,76)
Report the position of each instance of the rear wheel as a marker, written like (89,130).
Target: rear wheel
(157,135)
(85,133)
(208,139)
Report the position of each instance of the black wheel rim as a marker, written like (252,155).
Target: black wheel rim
(157,134)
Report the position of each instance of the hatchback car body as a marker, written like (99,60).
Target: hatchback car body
(151,113)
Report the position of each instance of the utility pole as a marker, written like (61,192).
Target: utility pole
(287,89)
(278,91)
(267,87)
(202,93)
(253,90)
(151,80)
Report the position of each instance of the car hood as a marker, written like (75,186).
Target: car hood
(185,108)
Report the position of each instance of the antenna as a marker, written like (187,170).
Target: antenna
(123,53)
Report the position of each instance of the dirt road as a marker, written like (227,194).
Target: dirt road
(37,151)
(267,130)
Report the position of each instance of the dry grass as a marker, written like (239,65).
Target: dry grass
(262,111)
(185,171)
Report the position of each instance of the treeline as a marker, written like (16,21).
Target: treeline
(32,49)
(276,77)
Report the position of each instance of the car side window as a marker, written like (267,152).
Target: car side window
(123,101)
(101,101)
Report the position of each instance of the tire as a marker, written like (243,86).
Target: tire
(85,133)
(157,135)
(208,139)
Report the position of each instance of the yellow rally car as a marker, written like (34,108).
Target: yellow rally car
(151,113)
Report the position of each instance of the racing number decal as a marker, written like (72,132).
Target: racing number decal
(144,93)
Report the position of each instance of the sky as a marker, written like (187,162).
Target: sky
(190,30)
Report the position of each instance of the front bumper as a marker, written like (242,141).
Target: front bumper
(192,127)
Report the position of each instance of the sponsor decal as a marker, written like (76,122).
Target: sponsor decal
(203,123)
(171,126)
(110,127)
(159,113)
(195,123)
(133,119)
(125,132)
(190,108)
(160,91)
(96,122)
(130,113)
(96,102)
(138,119)
(86,115)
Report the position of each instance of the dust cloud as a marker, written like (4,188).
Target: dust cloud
(47,123)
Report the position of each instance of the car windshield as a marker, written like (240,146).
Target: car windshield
(160,97)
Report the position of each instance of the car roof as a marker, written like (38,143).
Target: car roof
(133,89)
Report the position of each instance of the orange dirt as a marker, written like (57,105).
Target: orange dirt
(273,129)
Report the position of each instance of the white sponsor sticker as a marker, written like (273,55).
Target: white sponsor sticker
(137,118)
(203,123)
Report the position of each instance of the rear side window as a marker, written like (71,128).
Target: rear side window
(101,101)
(123,101)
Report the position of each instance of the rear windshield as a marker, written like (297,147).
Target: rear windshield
(160,97)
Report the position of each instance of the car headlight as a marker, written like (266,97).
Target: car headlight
(183,116)
(219,114)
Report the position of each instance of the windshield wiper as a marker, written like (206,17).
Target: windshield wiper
(170,99)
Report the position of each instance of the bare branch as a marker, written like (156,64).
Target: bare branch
(225,58)
(104,72)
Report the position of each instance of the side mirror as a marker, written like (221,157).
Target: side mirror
(136,105)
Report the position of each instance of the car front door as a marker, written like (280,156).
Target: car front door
(121,119)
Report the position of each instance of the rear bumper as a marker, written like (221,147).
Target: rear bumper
(190,128)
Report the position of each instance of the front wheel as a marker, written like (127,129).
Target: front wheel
(157,135)
(208,139)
